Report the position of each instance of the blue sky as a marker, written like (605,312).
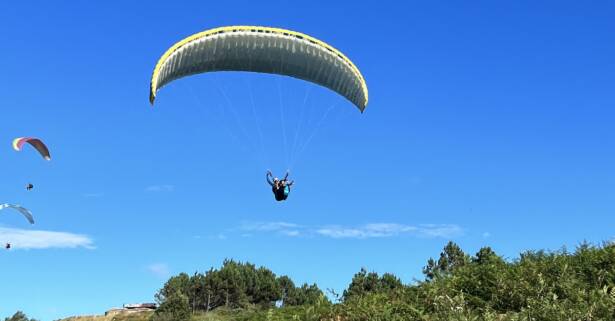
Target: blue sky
(488,124)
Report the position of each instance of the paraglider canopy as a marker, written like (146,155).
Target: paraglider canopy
(35,142)
(24,211)
(263,50)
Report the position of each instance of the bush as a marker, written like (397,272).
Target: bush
(174,308)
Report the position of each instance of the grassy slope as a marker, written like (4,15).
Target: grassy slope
(145,316)
(142,316)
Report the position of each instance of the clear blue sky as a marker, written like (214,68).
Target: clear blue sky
(488,124)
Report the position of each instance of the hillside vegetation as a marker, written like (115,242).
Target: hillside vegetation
(539,285)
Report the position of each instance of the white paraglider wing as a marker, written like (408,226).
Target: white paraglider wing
(24,211)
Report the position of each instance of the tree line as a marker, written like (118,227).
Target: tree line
(536,286)
(539,285)
(235,285)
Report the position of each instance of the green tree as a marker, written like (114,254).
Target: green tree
(389,282)
(451,258)
(175,307)
(268,290)
(179,283)
(310,295)
(19,316)
(481,281)
(363,283)
(198,293)
(287,288)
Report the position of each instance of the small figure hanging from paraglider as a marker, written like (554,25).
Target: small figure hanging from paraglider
(7,246)
(280,188)
(29,187)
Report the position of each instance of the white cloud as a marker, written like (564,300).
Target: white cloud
(36,239)
(486,234)
(389,230)
(290,232)
(443,231)
(160,270)
(284,228)
(160,188)
(267,226)
(371,230)
(340,232)
(366,231)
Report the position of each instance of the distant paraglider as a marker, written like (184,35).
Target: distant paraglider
(35,142)
(24,211)
(44,151)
